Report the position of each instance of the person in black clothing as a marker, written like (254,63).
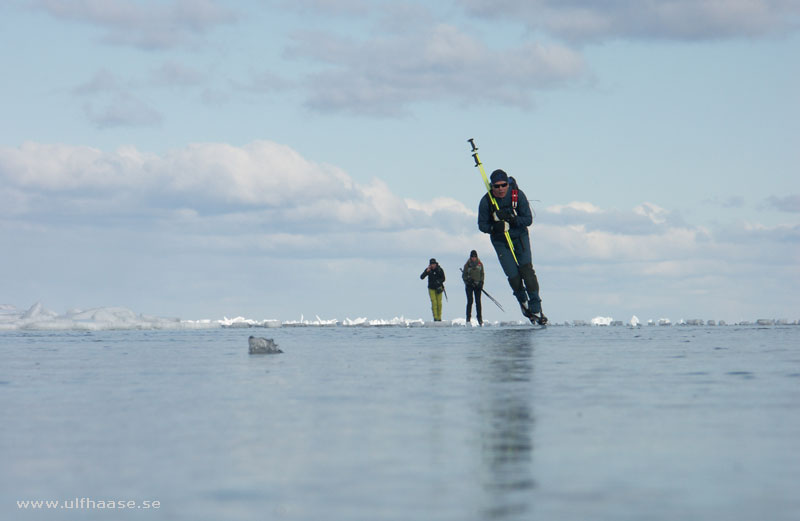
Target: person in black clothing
(435,275)
(472,275)
(513,216)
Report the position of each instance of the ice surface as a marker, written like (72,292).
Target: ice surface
(431,423)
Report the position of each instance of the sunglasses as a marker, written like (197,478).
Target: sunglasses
(500,185)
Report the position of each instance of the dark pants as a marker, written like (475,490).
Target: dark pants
(474,292)
(521,277)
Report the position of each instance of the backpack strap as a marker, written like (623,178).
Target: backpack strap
(514,192)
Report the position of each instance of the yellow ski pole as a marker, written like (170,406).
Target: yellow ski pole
(489,191)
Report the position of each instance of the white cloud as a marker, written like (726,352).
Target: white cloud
(172,73)
(653,212)
(122,110)
(109,101)
(646,218)
(329,7)
(576,206)
(438,204)
(580,243)
(148,25)
(589,20)
(259,184)
(786,203)
(216,206)
(384,74)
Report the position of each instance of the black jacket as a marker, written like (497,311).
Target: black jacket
(435,277)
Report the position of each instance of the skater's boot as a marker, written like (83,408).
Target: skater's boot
(535,304)
(539,318)
(522,296)
(524,306)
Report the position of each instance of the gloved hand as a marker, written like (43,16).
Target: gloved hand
(500,227)
(505,214)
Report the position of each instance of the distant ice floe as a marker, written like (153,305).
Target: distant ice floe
(243,322)
(601,321)
(97,319)
(37,318)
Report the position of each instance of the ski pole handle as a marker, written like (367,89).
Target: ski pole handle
(472,143)
(477,161)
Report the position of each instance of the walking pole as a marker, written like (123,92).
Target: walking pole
(489,191)
(493,300)
(487,294)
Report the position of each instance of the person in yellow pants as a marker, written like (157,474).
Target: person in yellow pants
(435,275)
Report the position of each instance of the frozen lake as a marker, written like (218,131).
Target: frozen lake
(385,423)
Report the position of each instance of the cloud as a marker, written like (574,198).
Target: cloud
(618,242)
(592,258)
(646,218)
(735,201)
(259,185)
(265,82)
(583,21)
(194,212)
(160,26)
(787,203)
(329,7)
(171,73)
(384,74)
(122,110)
(109,101)
(102,81)
(649,243)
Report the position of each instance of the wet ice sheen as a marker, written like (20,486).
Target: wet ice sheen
(406,423)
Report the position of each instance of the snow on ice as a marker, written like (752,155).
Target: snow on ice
(38,318)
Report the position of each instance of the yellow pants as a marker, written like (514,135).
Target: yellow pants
(436,304)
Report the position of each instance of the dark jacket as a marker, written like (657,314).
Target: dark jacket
(524,216)
(435,277)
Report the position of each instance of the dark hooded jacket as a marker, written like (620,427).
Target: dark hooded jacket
(435,278)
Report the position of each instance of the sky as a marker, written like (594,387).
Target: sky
(272,159)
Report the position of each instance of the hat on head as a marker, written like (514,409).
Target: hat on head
(499,175)
(473,253)
(433,261)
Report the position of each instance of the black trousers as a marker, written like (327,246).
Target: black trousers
(474,293)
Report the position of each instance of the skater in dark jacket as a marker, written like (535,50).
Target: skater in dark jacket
(513,216)
(472,275)
(435,275)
